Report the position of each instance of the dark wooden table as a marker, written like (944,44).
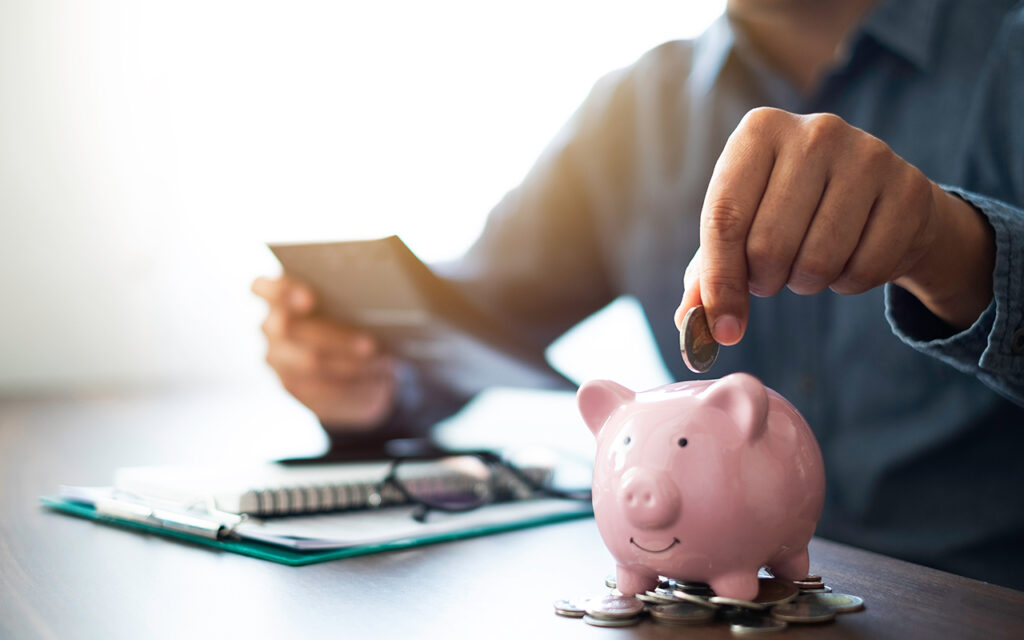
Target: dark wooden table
(61,577)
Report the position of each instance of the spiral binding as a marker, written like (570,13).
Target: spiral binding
(339,497)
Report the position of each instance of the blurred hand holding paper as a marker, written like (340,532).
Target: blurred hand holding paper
(381,287)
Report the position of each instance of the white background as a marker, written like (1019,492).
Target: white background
(149,149)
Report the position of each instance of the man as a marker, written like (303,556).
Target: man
(888,309)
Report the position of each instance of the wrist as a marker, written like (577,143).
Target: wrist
(953,278)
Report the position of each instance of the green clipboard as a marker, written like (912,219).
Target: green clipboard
(295,558)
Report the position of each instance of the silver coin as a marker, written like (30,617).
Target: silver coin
(672,583)
(697,591)
(697,345)
(839,602)
(681,613)
(609,581)
(803,611)
(615,607)
(772,591)
(743,604)
(653,598)
(569,608)
(758,624)
(701,601)
(611,622)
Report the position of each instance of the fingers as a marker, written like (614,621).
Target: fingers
(286,293)
(833,236)
(691,277)
(300,345)
(318,334)
(316,346)
(338,372)
(734,194)
(691,298)
(890,236)
(691,289)
(786,210)
(333,339)
(276,325)
(294,360)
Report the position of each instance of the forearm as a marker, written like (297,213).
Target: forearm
(953,279)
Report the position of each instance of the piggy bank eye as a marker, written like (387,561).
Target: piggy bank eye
(627,440)
(682,442)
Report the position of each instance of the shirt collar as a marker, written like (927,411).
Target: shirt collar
(711,50)
(907,28)
(722,42)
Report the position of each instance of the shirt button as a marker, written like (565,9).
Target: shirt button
(1017,346)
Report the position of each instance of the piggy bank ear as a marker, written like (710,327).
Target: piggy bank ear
(744,399)
(597,400)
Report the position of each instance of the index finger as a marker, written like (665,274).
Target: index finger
(733,196)
(285,292)
(691,289)
(330,337)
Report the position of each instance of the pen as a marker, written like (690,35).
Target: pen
(157,517)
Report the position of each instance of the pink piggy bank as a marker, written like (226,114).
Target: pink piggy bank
(703,481)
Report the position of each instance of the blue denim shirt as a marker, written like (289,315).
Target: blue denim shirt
(921,427)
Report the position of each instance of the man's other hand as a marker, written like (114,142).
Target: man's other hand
(336,371)
(810,202)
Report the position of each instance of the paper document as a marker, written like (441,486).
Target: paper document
(380,286)
(356,528)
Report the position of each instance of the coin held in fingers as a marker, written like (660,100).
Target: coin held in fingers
(696,343)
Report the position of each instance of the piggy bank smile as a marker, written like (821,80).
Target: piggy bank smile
(653,547)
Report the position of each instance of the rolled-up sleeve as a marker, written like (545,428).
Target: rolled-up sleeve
(993,347)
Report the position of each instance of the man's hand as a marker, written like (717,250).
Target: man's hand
(810,202)
(339,373)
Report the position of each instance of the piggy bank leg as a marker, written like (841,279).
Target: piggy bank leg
(630,581)
(739,585)
(792,566)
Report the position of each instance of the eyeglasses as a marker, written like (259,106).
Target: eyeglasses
(465,481)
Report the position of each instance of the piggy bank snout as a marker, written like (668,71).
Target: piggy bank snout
(649,499)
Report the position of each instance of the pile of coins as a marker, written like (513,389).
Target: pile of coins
(778,604)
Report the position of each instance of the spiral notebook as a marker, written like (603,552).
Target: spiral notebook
(276,490)
(299,516)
